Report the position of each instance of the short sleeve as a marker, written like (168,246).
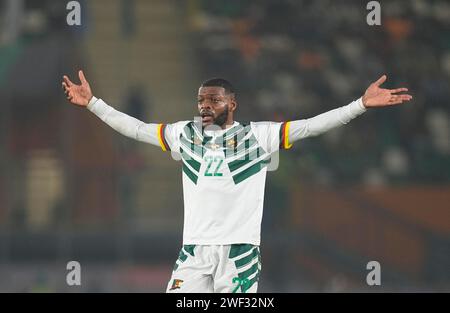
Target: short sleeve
(269,135)
(272,136)
(169,135)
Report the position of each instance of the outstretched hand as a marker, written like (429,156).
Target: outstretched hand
(380,97)
(77,94)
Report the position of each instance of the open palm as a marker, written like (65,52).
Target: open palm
(77,94)
(379,97)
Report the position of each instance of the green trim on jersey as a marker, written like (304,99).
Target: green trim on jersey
(250,171)
(190,174)
(190,160)
(245,159)
(239,130)
(239,145)
(247,144)
(190,145)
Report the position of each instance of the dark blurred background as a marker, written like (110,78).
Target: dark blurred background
(73,189)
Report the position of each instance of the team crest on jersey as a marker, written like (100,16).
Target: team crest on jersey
(176,284)
(231,143)
(197,141)
(212,146)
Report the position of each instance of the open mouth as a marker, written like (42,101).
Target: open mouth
(207,117)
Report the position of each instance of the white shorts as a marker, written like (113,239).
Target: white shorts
(216,268)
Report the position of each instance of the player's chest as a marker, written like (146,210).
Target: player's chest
(219,158)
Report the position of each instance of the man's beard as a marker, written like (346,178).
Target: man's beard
(222,118)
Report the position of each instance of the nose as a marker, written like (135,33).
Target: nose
(205,105)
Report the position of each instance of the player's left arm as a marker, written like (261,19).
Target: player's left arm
(375,96)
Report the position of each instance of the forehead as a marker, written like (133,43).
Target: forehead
(208,91)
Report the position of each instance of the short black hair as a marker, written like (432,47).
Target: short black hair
(219,82)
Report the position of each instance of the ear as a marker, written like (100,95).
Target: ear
(233,105)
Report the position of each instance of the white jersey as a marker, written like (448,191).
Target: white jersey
(224,174)
(224,171)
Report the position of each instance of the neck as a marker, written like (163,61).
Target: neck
(227,124)
(224,126)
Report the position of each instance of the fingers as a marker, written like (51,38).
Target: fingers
(65,87)
(67,91)
(406,97)
(402,97)
(381,80)
(69,94)
(398,90)
(395,102)
(82,78)
(68,81)
(397,99)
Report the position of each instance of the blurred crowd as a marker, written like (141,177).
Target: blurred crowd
(296,59)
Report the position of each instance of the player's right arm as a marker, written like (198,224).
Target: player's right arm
(81,95)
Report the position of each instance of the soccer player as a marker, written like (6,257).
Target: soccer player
(224,166)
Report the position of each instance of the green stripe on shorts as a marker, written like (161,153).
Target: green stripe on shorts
(189,249)
(249,272)
(254,258)
(252,281)
(246,260)
(239,249)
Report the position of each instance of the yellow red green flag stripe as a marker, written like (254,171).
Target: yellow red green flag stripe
(162,140)
(284,136)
